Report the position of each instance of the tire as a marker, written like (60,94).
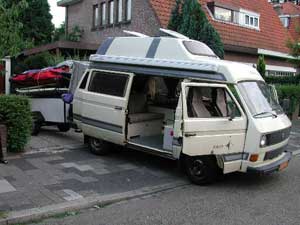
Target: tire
(98,146)
(63,127)
(201,170)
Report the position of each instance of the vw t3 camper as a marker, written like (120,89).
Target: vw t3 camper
(173,97)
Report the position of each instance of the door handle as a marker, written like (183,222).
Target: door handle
(190,135)
(118,108)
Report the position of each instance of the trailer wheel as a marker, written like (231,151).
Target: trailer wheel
(63,127)
(201,170)
(98,146)
(36,127)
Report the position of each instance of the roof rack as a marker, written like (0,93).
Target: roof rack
(136,34)
(173,34)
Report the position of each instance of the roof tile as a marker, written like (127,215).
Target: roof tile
(271,36)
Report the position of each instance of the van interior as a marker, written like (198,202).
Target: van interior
(152,106)
(151,111)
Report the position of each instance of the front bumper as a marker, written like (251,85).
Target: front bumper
(272,167)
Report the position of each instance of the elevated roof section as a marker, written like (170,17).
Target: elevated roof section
(165,56)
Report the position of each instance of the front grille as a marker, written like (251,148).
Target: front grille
(273,154)
(278,136)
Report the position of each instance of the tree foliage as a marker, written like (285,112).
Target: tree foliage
(37,22)
(294,47)
(12,39)
(261,66)
(189,19)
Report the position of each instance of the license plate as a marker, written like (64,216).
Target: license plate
(283,166)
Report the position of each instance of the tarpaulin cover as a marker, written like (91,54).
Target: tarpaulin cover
(50,75)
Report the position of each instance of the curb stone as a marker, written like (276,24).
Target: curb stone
(34,214)
(53,150)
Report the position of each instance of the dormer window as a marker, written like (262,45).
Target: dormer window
(234,15)
(223,14)
(285,20)
(249,19)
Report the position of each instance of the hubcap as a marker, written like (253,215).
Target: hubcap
(197,168)
(96,143)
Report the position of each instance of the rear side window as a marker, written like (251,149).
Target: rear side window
(108,83)
(84,81)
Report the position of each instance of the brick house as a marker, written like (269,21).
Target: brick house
(247,28)
(289,14)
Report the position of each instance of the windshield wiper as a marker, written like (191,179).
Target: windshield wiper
(262,113)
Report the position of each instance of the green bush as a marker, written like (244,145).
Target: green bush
(38,61)
(283,80)
(16,114)
(291,92)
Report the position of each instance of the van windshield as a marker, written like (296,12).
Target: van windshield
(260,99)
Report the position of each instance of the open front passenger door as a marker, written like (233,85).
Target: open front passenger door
(213,122)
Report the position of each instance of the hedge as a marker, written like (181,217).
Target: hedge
(283,79)
(291,92)
(16,114)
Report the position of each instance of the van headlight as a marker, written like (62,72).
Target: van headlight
(263,141)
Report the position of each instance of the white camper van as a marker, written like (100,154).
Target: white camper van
(173,97)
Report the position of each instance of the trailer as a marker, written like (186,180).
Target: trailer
(47,105)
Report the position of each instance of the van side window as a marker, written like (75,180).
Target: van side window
(210,102)
(108,83)
(84,81)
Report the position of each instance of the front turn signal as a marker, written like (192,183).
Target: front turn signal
(254,157)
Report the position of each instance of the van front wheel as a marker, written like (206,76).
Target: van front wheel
(98,147)
(201,170)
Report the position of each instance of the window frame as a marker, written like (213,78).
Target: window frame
(186,84)
(127,18)
(255,21)
(119,8)
(96,20)
(223,8)
(111,12)
(103,18)
(227,94)
(86,76)
(110,73)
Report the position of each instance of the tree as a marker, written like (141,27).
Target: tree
(59,33)
(37,22)
(189,19)
(261,66)
(12,40)
(176,16)
(294,47)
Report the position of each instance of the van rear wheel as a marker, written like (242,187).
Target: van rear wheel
(98,146)
(201,170)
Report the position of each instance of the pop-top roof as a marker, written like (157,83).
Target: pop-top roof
(169,55)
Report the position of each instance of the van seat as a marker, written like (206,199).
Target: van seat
(138,110)
(142,117)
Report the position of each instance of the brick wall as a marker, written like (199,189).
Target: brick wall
(143,20)
(247,58)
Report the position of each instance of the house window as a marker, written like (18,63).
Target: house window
(120,11)
(223,14)
(111,12)
(128,10)
(285,21)
(251,21)
(103,13)
(95,16)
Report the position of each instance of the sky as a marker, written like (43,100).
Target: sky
(58,13)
